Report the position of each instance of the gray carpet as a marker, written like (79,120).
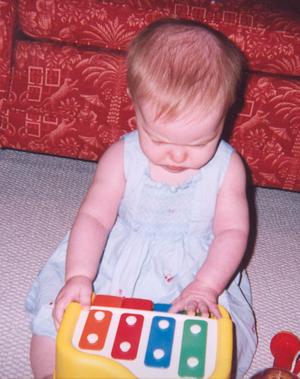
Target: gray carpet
(39,197)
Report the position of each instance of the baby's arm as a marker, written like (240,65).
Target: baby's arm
(89,233)
(231,227)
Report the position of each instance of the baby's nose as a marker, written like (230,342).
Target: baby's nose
(178,155)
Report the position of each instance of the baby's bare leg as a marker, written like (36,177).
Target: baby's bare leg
(42,356)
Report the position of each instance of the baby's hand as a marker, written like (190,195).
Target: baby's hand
(77,288)
(196,298)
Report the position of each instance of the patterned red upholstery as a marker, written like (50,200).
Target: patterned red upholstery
(267,131)
(67,101)
(7,21)
(66,94)
(267,31)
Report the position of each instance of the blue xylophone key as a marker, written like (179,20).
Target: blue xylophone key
(159,349)
(161,307)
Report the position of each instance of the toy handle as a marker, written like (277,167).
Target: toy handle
(285,347)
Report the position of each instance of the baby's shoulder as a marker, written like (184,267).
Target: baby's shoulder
(112,160)
(114,151)
(235,177)
(236,163)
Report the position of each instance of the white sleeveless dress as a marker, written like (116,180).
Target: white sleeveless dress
(159,241)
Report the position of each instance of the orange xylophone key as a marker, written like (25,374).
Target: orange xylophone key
(95,330)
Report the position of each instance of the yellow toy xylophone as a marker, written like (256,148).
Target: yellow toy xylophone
(133,338)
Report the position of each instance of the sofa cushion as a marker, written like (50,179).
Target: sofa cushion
(66,101)
(266,131)
(267,31)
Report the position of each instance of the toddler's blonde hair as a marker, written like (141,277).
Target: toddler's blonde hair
(178,65)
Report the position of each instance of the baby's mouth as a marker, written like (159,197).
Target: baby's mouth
(174,168)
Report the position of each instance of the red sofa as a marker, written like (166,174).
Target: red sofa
(63,88)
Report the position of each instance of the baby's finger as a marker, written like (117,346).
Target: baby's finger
(57,316)
(59,310)
(177,306)
(203,309)
(191,308)
(214,309)
(85,299)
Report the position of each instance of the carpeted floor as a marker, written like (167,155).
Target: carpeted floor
(39,197)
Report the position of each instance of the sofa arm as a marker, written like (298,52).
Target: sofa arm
(7,29)
(66,101)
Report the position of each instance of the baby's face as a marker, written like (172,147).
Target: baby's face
(183,143)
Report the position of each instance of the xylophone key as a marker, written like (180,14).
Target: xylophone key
(135,303)
(95,330)
(107,301)
(128,336)
(159,349)
(193,349)
(161,307)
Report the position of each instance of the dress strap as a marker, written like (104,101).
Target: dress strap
(223,156)
(206,192)
(215,170)
(135,162)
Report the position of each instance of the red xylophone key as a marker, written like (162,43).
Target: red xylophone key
(128,336)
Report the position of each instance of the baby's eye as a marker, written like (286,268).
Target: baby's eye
(200,145)
(157,142)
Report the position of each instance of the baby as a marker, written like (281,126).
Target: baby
(166,216)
